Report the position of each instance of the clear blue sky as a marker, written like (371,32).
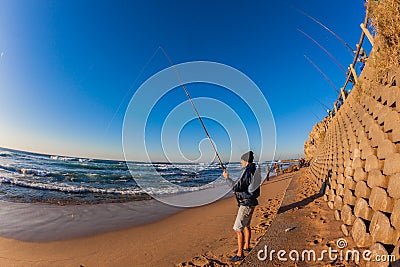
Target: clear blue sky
(66,67)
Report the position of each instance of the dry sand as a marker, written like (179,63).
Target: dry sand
(195,236)
(304,222)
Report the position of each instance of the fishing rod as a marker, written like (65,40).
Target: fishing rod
(323,48)
(315,115)
(326,28)
(323,74)
(194,107)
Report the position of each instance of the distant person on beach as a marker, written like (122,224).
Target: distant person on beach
(276,168)
(269,169)
(362,57)
(302,163)
(247,190)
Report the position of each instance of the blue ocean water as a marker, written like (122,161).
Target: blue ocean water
(28,178)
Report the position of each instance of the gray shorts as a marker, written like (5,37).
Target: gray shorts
(243,218)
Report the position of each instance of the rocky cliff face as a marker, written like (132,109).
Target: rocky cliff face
(358,151)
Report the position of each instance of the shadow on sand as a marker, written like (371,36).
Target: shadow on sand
(308,200)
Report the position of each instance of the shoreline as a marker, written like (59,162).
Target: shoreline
(41,222)
(205,230)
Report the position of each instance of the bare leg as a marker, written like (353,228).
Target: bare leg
(240,238)
(247,237)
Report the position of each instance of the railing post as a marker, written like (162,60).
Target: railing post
(343,94)
(353,71)
(367,33)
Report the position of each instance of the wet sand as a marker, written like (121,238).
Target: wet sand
(195,236)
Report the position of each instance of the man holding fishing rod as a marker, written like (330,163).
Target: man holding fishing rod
(247,190)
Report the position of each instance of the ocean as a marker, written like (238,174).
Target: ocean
(30,178)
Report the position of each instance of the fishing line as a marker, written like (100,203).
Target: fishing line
(322,73)
(323,48)
(129,90)
(326,28)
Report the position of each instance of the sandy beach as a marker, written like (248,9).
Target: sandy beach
(195,236)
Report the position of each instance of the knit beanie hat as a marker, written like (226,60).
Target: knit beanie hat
(248,157)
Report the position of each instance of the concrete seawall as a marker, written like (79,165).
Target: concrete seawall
(358,153)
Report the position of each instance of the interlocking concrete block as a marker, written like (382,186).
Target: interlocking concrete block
(376,135)
(368,151)
(376,178)
(348,162)
(335,167)
(363,210)
(395,217)
(379,200)
(385,149)
(340,160)
(331,205)
(391,165)
(340,190)
(363,140)
(337,215)
(381,112)
(392,95)
(349,198)
(340,169)
(392,121)
(358,163)
(333,184)
(362,190)
(396,252)
(394,186)
(356,152)
(348,171)
(360,174)
(349,183)
(338,203)
(377,251)
(381,231)
(340,178)
(368,122)
(346,156)
(354,146)
(395,127)
(373,163)
(347,215)
(344,229)
(331,194)
(360,235)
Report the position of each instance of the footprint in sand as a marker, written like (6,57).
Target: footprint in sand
(313,214)
(316,239)
(323,220)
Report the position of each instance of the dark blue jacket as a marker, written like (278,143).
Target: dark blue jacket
(244,196)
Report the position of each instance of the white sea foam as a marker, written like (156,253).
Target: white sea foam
(68,188)
(40,173)
(62,158)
